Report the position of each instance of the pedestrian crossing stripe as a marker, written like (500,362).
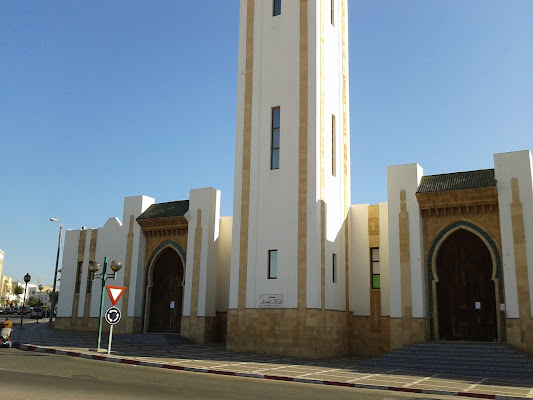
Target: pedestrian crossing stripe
(115,293)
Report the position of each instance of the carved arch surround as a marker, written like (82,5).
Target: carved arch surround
(497,275)
(148,278)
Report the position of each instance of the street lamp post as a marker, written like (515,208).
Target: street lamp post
(94,266)
(53,299)
(48,302)
(40,290)
(27,278)
(40,301)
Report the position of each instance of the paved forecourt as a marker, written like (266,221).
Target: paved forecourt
(175,352)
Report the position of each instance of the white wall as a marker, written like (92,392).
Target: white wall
(416,245)
(384,258)
(237,193)
(208,201)
(313,273)
(359,259)
(334,185)
(135,206)
(224,264)
(406,177)
(85,272)
(109,244)
(273,216)
(335,292)
(518,165)
(208,275)
(273,193)
(68,273)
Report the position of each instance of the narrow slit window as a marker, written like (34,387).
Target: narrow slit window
(274,151)
(272,264)
(334,268)
(333,12)
(333,147)
(78,277)
(89,287)
(276,9)
(376,274)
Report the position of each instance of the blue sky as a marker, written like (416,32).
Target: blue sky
(100,100)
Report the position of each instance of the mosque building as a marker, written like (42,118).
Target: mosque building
(298,270)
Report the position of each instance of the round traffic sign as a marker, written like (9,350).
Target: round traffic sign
(112,316)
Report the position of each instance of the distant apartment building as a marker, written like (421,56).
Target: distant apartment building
(1,260)
(42,295)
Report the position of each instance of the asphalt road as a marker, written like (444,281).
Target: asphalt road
(30,375)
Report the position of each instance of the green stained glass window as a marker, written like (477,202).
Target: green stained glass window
(376,284)
(375,268)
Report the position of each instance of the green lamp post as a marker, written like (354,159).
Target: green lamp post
(94,267)
(27,278)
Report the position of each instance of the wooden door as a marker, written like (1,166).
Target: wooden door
(465,291)
(167,293)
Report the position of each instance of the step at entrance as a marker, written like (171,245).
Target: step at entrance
(484,360)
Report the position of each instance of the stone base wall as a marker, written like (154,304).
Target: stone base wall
(222,326)
(310,333)
(62,323)
(406,331)
(199,329)
(420,330)
(126,325)
(520,338)
(368,342)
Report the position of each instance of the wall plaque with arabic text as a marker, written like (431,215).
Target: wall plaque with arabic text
(271,301)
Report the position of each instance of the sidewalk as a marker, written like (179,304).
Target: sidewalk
(175,352)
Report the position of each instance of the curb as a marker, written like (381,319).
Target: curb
(129,361)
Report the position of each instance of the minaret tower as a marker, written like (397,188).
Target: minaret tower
(288,284)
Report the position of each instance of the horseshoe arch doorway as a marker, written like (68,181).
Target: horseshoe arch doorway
(466,292)
(166,293)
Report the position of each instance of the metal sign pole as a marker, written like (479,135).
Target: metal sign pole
(110,340)
(112,317)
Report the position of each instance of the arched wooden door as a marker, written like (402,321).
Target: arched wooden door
(465,291)
(167,293)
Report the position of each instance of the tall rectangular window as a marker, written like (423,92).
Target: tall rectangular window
(274,152)
(78,277)
(272,264)
(333,12)
(334,268)
(374,257)
(333,147)
(276,10)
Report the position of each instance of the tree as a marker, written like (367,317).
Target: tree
(33,301)
(56,297)
(18,290)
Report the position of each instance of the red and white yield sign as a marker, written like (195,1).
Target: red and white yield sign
(115,293)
